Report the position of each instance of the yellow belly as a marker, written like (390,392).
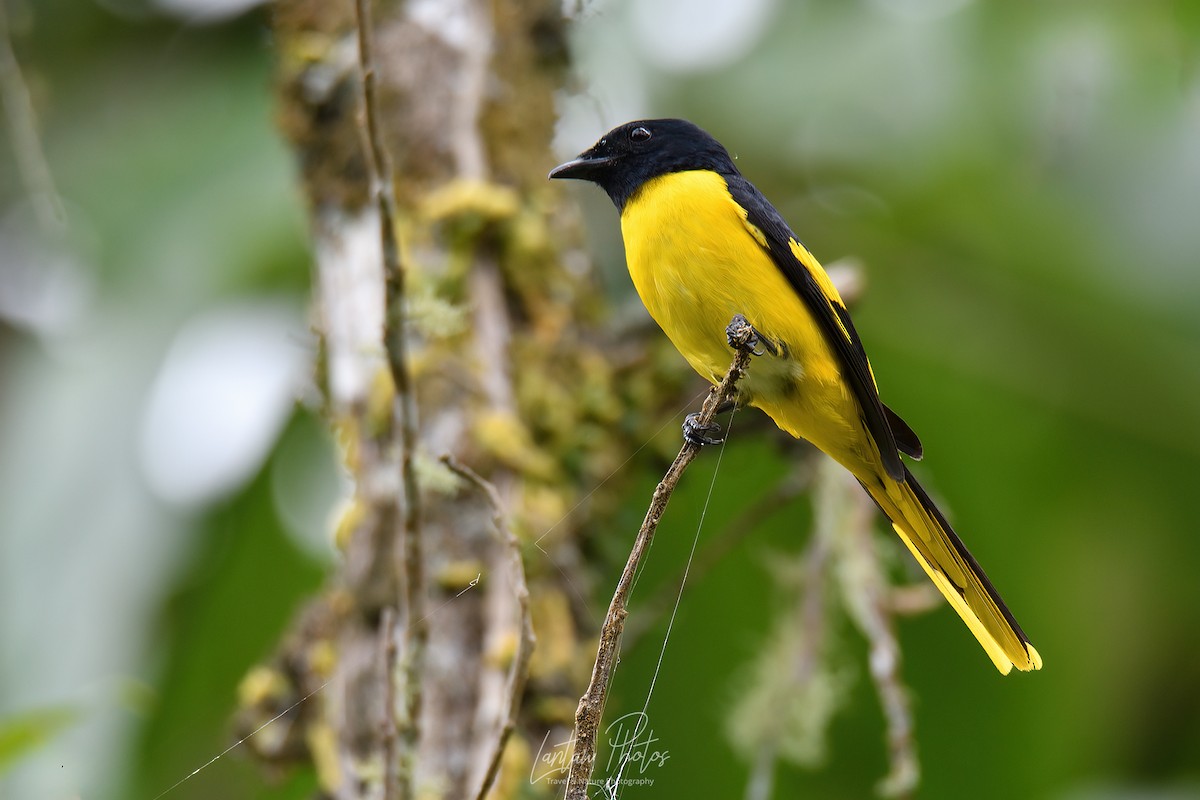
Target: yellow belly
(696,262)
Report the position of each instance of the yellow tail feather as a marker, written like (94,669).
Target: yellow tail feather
(954,571)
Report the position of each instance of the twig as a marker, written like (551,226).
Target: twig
(806,651)
(911,600)
(31,160)
(869,604)
(720,546)
(389,733)
(591,705)
(519,671)
(380,170)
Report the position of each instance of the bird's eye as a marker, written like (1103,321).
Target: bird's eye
(639,135)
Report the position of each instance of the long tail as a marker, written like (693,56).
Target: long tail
(954,571)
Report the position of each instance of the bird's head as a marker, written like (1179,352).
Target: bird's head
(631,154)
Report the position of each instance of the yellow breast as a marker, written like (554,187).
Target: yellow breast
(696,262)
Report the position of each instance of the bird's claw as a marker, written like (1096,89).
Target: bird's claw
(742,336)
(699,434)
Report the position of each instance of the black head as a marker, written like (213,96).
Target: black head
(628,156)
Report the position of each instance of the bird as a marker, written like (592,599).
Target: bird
(703,245)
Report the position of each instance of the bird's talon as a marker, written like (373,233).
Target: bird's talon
(698,434)
(742,336)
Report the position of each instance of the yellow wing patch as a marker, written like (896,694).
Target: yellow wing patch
(828,289)
(817,271)
(823,282)
(755,231)
(814,268)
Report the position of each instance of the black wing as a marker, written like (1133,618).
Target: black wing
(831,316)
(906,438)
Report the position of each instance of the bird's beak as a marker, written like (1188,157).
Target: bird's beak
(584,168)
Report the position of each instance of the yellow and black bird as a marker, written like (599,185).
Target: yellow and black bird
(704,245)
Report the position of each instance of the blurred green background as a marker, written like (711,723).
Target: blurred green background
(1021,183)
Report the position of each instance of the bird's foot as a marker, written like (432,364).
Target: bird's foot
(699,434)
(742,336)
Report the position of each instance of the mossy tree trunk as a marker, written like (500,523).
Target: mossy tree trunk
(500,339)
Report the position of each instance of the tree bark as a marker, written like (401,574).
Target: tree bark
(465,110)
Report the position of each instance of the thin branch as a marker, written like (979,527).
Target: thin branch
(31,160)
(911,600)
(721,545)
(519,671)
(591,705)
(380,171)
(388,731)
(869,603)
(806,651)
